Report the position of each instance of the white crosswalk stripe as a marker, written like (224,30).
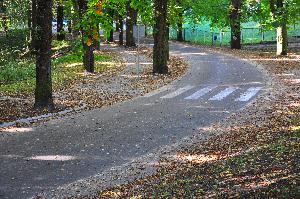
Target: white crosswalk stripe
(177,92)
(163,89)
(223,94)
(251,92)
(200,93)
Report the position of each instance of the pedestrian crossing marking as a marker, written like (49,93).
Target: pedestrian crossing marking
(177,92)
(251,92)
(200,93)
(163,89)
(223,94)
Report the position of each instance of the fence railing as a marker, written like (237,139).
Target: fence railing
(249,36)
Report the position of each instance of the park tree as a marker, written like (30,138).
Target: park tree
(235,23)
(160,49)
(131,20)
(60,21)
(279,14)
(43,90)
(87,40)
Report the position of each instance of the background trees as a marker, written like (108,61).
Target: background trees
(88,16)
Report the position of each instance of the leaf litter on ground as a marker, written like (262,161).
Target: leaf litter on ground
(253,155)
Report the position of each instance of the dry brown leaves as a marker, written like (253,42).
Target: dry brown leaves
(94,90)
(235,162)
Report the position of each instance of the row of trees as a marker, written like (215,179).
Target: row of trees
(88,16)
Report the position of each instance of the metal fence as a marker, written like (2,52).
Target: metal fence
(249,36)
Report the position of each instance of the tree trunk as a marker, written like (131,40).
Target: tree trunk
(33,26)
(111,33)
(180,27)
(60,23)
(130,21)
(88,58)
(160,50)
(88,51)
(121,31)
(97,42)
(111,36)
(235,23)
(75,31)
(117,25)
(282,35)
(43,89)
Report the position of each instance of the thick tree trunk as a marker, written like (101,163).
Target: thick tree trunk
(180,27)
(43,90)
(121,31)
(160,50)
(88,51)
(60,23)
(130,21)
(88,58)
(235,23)
(282,35)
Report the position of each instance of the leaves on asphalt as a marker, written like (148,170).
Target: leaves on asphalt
(252,154)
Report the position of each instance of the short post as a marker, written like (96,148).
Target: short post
(138,51)
(221,37)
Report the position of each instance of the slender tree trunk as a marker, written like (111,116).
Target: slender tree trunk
(121,31)
(235,23)
(160,50)
(167,41)
(75,31)
(117,25)
(33,26)
(88,51)
(111,33)
(130,21)
(282,35)
(43,90)
(179,27)
(60,22)
(97,42)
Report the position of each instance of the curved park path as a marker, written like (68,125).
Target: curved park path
(65,150)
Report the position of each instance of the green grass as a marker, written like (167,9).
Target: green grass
(18,74)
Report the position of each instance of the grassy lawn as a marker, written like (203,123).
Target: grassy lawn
(17,74)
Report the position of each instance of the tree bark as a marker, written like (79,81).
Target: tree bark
(43,89)
(75,31)
(60,23)
(281,17)
(32,46)
(111,33)
(235,23)
(88,51)
(121,31)
(130,22)
(180,27)
(160,50)
(97,42)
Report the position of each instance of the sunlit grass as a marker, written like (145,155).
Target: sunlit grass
(19,75)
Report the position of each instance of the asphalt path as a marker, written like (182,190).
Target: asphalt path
(64,150)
